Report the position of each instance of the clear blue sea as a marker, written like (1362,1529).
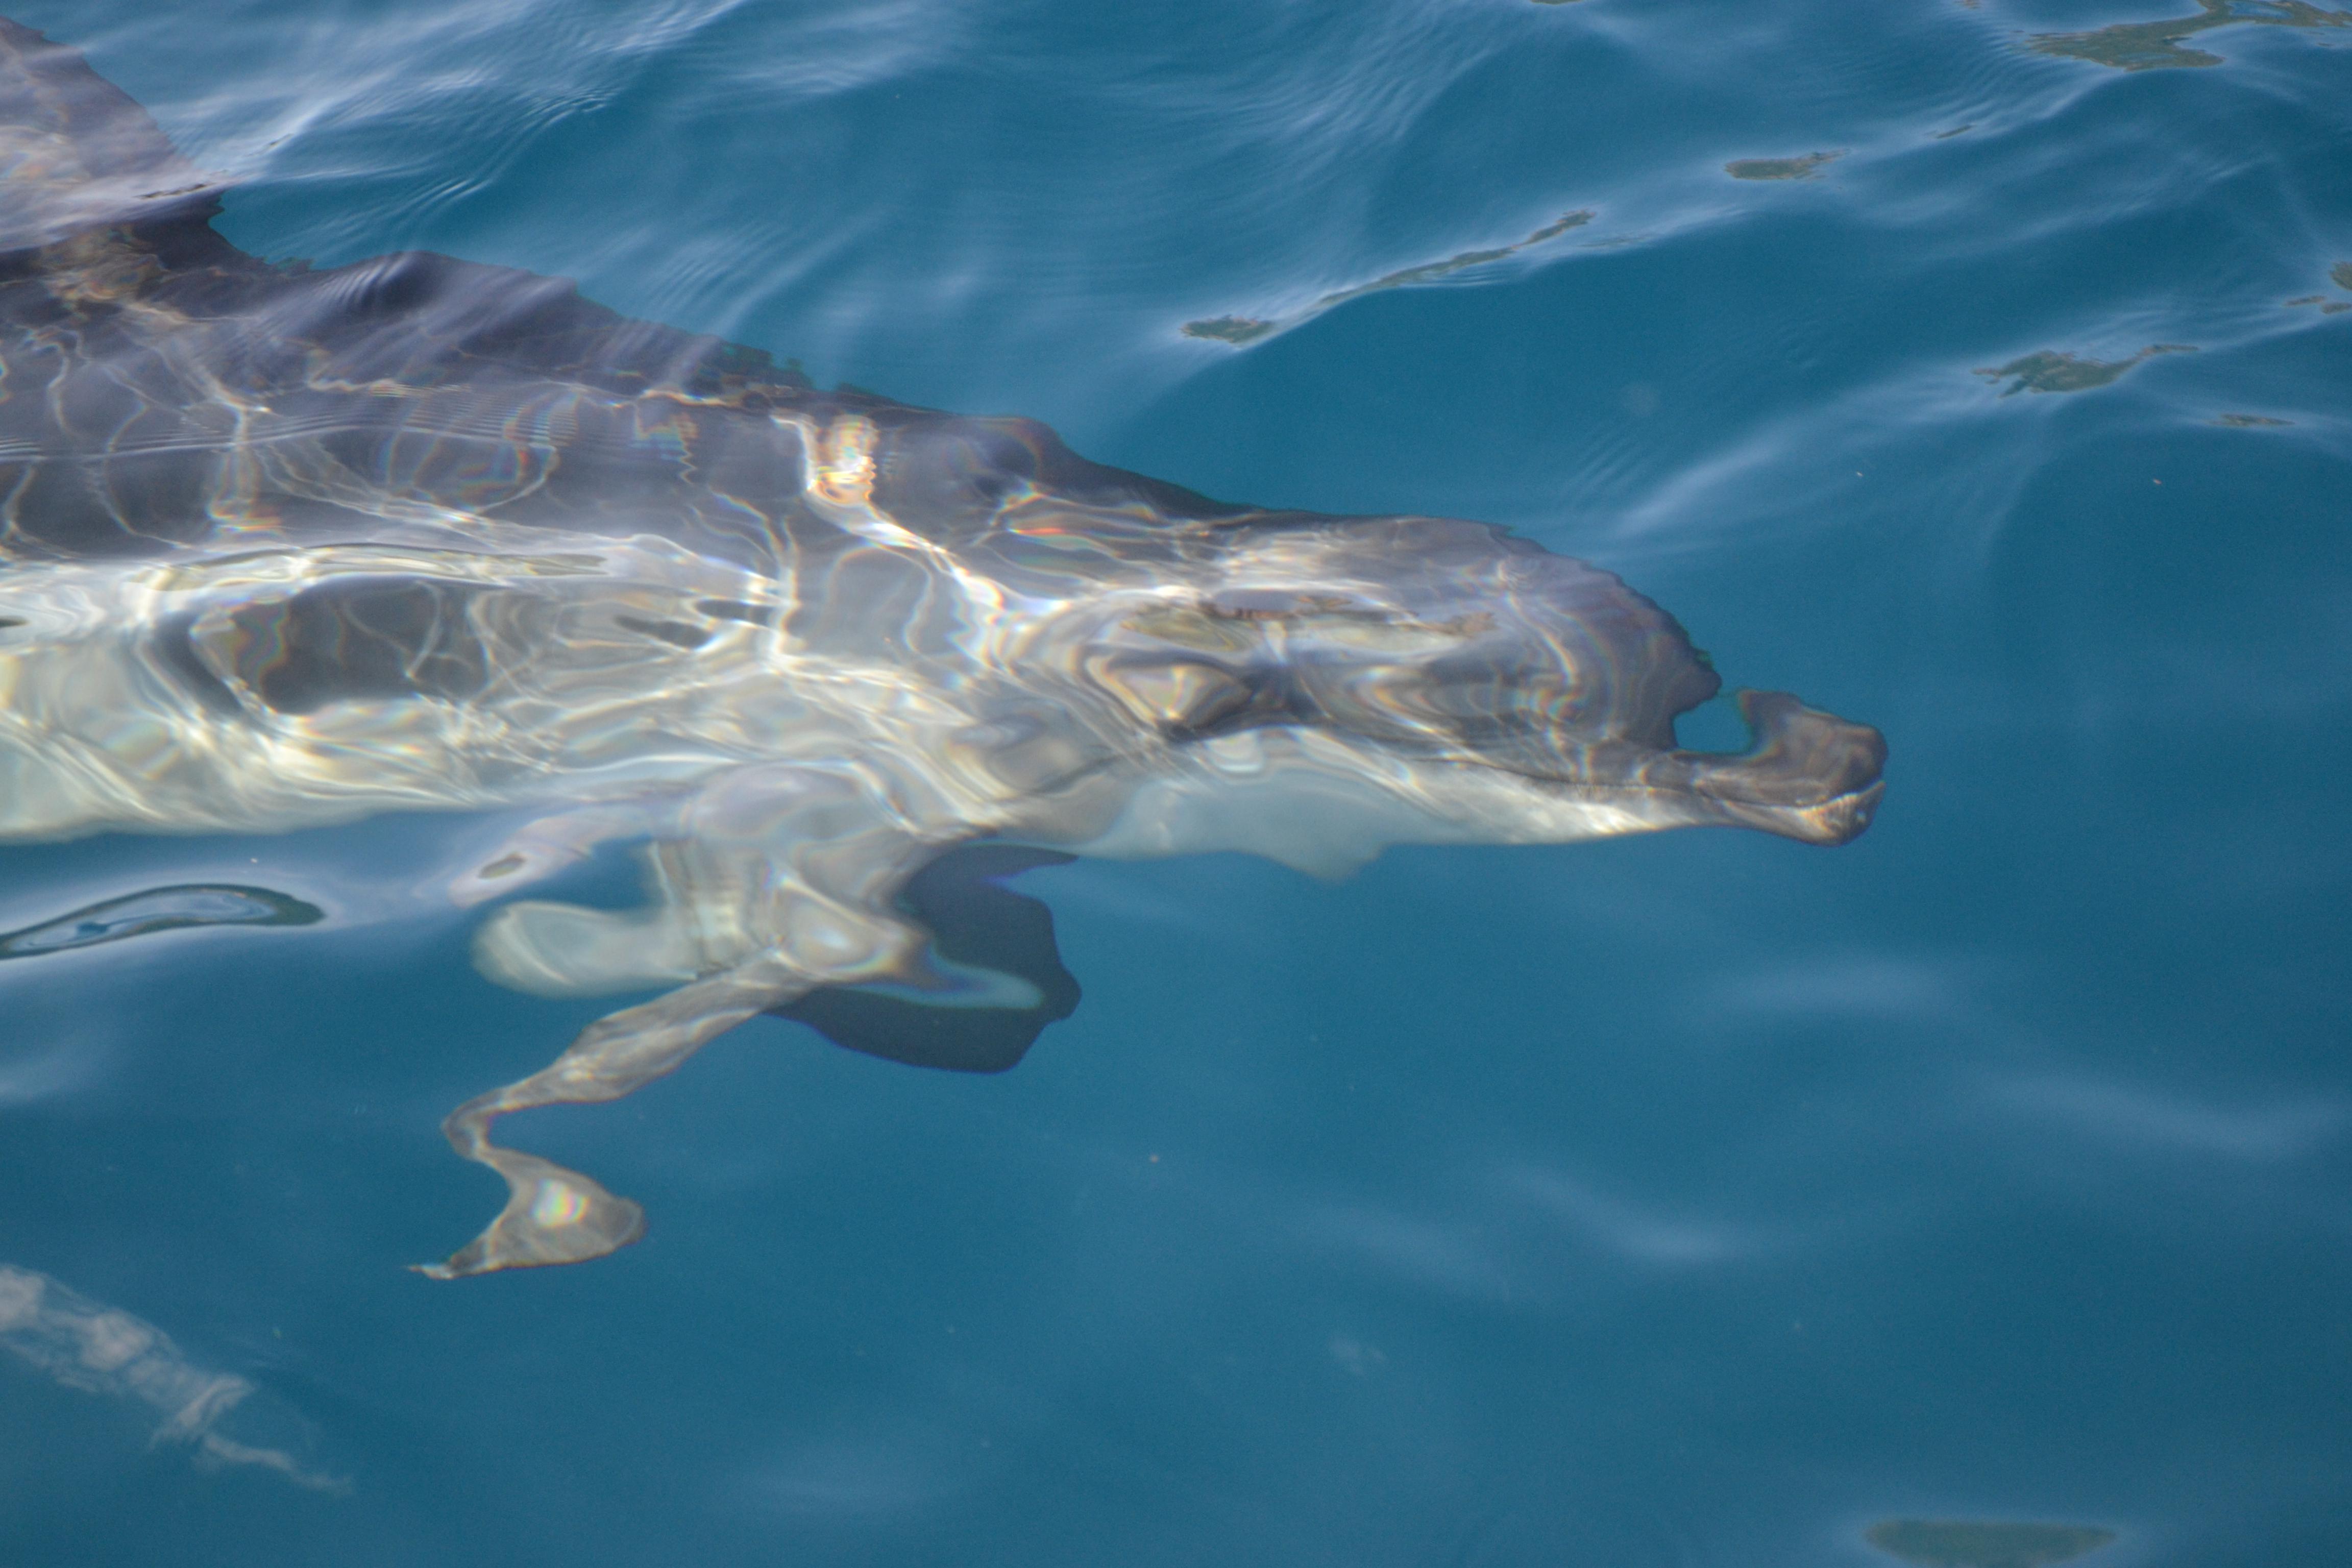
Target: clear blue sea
(1694,1199)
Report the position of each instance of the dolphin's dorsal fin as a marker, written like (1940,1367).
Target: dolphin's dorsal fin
(77,155)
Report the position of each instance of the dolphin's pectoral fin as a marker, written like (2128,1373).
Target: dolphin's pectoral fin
(1806,774)
(556,1216)
(996,977)
(541,847)
(784,885)
(553,1215)
(938,966)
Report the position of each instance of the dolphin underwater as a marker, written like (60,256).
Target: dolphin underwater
(283,548)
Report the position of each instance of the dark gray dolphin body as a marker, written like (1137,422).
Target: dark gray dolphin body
(282,548)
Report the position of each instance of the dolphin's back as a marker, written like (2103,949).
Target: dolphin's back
(159,386)
(161,390)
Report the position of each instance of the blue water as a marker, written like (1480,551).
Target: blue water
(1697,1199)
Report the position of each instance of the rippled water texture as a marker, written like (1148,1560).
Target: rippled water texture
(1971,1194)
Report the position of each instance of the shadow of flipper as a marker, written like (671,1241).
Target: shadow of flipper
(557,1215)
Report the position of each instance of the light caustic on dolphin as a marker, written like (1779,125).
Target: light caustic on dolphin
(284,548)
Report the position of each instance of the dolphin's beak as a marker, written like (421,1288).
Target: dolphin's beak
(1806,774)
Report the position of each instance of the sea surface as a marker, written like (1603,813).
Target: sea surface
(1978,369)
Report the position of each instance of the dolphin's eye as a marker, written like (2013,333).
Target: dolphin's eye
(1268,604)
(1175,694)
(1194,627)
(1380,638)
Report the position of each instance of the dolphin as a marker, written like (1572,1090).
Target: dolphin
(282,548)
